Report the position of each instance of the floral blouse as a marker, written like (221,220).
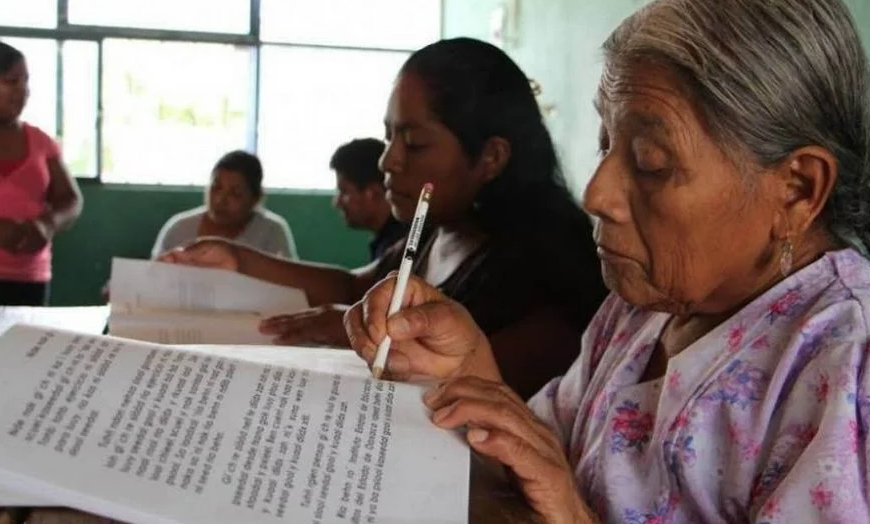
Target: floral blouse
(764,419)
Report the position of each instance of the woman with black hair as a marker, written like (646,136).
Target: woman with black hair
(506,240)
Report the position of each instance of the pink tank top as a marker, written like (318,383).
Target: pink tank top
(23,190)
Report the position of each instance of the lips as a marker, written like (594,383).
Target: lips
(606,253)
(392,195)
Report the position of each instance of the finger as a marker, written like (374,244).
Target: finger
(502,416)
(432,321)
(546,480)
(358,334)
(279,323)
(174,256)
(472,387)
(375,308)
(365,346)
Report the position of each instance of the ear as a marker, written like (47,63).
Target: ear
(494,157)
(808,176)
(373,192)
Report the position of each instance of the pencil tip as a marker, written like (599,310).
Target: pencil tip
(377,372)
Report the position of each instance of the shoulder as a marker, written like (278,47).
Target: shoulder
(270,220)
(40,140)
(185,219)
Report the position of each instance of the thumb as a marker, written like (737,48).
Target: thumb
(442,324)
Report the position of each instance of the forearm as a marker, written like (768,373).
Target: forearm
(323,284)
(61,215)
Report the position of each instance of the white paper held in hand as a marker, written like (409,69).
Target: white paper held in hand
(404,274)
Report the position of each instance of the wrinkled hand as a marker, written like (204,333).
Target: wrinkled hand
(322,325)
(28,236)
(502,427)
(431,335)
(204,253)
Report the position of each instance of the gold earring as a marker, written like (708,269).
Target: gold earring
(785,259)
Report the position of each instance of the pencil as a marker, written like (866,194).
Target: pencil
(404,273)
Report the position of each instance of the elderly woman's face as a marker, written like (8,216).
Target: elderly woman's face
(678,227)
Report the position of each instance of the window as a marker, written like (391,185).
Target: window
(171,109)
(307,110)
(155,91)
(30,13)
(78,134)
(389,24)
(215,16)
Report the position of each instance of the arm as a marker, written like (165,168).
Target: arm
(64,200)
(323,284)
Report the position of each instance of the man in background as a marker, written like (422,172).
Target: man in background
(360,193)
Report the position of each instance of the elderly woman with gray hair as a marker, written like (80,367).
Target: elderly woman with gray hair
(726,379)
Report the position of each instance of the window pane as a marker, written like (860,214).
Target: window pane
(307,108)
(217,16)
(41,58)
(30,13)
(79,133)
(171,109)
(392,24)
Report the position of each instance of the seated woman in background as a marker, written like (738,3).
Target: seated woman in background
(507,239)
(38,197)
(727,379)
(233,210)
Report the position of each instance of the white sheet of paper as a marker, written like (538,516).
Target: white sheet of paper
(87,319)
(325,360)
(215,439)
(174,304)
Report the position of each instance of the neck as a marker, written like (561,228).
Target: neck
(226,230)
(379,219)
(696,322)
(10,125)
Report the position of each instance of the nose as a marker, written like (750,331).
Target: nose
(393,159)
(606,195)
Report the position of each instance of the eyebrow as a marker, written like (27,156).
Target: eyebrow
(636,120)
(403,126)
(647,122)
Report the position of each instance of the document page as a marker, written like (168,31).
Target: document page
(86,319)
(173,304)
(155,285)
(171,436)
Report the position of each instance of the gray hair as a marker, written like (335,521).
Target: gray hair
(769,77)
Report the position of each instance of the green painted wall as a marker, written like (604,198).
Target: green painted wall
(124,221)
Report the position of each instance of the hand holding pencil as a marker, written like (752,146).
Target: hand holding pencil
(410,255)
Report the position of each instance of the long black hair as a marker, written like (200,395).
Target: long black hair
(478,92)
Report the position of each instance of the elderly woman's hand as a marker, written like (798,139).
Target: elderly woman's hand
(322,325)
(432,335)
(207,252)
(502,427)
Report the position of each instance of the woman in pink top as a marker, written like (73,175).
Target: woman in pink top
(37,195)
